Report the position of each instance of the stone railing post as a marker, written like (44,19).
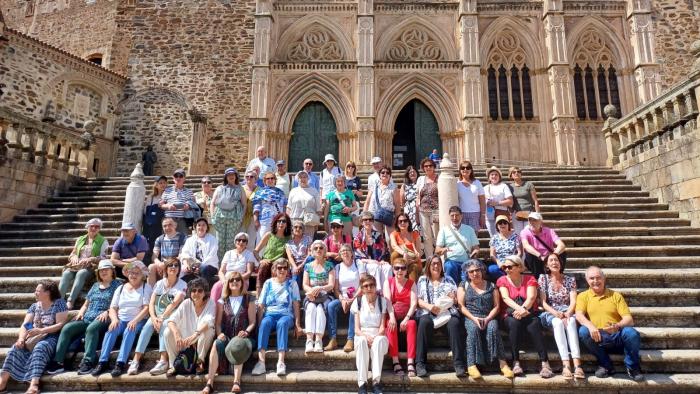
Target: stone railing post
(4,127)
(612,141)
(41,148)
(73,160)
(15,142)
(447,189)
(28,144)
(135,196)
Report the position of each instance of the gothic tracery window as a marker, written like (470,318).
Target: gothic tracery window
(508,80)
(595,77)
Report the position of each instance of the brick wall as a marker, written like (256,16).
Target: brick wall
(676,24)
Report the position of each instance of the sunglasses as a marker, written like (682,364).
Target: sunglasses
(172,266)
(249,176)
(502,222)
(473,271)
(336,226)
(270,179)
(465,168)
(508,267)
(178,176)
(282,268)
(242,240)
(281,221)
(233,280)
(298,227)
(429,165)
(350,166)
(368,220)
(308,164)
(517,172)
(400,268)
(318,248)
(385,173)
(197,291)
(206,183)
(403,221)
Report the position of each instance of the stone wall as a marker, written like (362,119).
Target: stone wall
(186,56)
(676,27)
(671,173)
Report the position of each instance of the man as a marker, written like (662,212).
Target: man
(283,182)
(607,326)
(538,243)
(176,200)
(458,243)
(149,159)
(263,161)
(128,248)
(373,178)
(313,178)
(167,247)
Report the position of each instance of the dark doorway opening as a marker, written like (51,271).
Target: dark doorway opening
(416,135)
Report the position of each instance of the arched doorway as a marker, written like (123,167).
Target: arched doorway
(416,135)
(314,136)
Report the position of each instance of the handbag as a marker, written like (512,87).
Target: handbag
(522,216)
(518,300)
(311,219)
(445,303)
(382,215)
(185,361)
(535,265)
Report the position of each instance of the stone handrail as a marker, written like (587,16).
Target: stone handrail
(665,118)
(45,144)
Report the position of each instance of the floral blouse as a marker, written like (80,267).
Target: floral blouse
(429,293)
(505,247)
(372,248)
(557,298)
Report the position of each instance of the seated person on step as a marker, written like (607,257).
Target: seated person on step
(167,246)
(128,248)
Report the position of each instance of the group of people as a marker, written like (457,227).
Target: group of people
(387,266)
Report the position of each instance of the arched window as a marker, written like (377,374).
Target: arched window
(95,58)
(595,77)
(508,80)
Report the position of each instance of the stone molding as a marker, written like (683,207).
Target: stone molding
(313,33)
(415,33)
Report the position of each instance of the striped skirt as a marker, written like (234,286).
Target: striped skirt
(471,219)
(24,365)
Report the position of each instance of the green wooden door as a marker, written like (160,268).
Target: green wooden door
(314,136)
(426,131)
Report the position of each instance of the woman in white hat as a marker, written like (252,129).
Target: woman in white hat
(499,199)
(89,249)
(328,174)
(204,198)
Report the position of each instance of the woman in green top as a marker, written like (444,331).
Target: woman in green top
(319,280)
(273,244)
(340,205)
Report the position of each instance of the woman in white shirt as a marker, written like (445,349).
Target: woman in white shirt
(127,315)
(304,200)
(470,193)
(192,324)
(199,255)
(239,260)
(499,199)
(347,286)
(370,311)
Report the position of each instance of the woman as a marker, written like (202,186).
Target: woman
(268,202)
(519,293)
(354,184)
(26,360)
(278,308)
(200,254)
(406,244)
(371,251)
(558,295)
(479,302)
(89,249)
(471,198)
(340,204)
(92,320)
(298,248)
(436,298)
(274,244)
(204,198)
(383,202)
(228,208)
(328,175)
(319,281)
(192,325)
(304,204)
(525,197)
(505,243)
(347,286)
(408,194)
(248,225)
(239,260)
(427,203)
(498,199)
(400,290)
(153,214)
(167,295)
(127,315)
(235,332)
(370,312)
(335,240)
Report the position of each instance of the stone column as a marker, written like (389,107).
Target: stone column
(135,195)
(198,145)
(73,161)
(14,136)
(41,148)
(447,189)
(472,115)
(366,142)
(4,127)
(646,71)
(261,74)
(28,144)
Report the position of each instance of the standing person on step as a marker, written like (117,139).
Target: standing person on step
(457,242)
(268,201)
(176,200)
(539,242)
(153,215)
(304,205)
(471,197)
(328,175)
(261,160)
(199,255)
(250,226)
(283,182)
(383,201)
(374,178)
(607,326)
(525,197)
(313,178)
(204,198)
(408,194)
(167,246)
(499,199)
(427,204)
(354,184)
(128,248)
(228,208)
(401,291)
(370,311)
(340,204)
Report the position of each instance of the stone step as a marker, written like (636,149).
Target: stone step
(647,277)
(63,241)
(21,284)
(94,211)
(82,204)
(65,217)
(30,271)
(636,262)
(602,207)
(620,251)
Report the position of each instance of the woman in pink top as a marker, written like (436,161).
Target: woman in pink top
(539,242)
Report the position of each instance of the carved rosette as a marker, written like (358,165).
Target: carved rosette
(415,44)
(316,44)
(592,50)
(507,51)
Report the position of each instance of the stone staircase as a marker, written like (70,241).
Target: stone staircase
(648,254)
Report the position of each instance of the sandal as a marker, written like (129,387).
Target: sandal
(33,389)
(208,389)
(199,370)
(566,373)
(236,388)
(411,370)
(579,374)
(397,369)
(546,372)
(518,370)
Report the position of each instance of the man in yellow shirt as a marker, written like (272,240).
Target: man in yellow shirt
(607,326)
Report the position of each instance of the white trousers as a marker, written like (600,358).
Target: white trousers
(252,235)
(518,225)
(380,272)
(380,346)
(314,319)
(563,332)
(430,232)
(203,343)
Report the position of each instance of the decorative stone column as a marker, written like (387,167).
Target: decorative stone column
(472,115)
(447,189)
(260,77)
(135,195)
(646,71)
(366,143)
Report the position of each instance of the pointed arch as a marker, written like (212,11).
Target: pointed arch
(307,88)
(329,37)
(433,35)
(424,88)
(534,56)
(173,94)
(621,56)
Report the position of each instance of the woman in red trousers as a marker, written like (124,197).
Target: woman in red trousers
(401,291)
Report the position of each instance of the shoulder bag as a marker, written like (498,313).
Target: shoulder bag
(382,215)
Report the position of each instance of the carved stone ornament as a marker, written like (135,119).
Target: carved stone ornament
(415,44)
(316,44)
(507,51)
(592,50)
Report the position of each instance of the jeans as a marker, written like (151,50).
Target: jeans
(453,269)
(333,308)
(78,280)
(281,323)
(128,338)
(145,337)
(493,272)
(625,341)
(73,330)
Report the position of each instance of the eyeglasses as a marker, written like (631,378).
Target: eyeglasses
(368,220)
(369,286)
(384,173)
(197,291)
(242,240)
(281,221)
(502,222)
(232,280)
(429,165)
(465,168)
(172,266)
(298,227)
(250,176)
(317,248)
(206,183)
(270,179)
(508,267)
(399,268)
(403,221)
(178,176)
(473,271)
(282,268)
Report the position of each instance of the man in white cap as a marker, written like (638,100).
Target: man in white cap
(262,161)
(328,175)
(538,243)
(128,248)
(313,178)
(373,178)
(283,182)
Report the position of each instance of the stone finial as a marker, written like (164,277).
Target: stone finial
(610,111)
(137,174)
(695,50)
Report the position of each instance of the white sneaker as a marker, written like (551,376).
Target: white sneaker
(133,368)
(281,369)
(309,346)
(160,368)
(318,347)
(259,368)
